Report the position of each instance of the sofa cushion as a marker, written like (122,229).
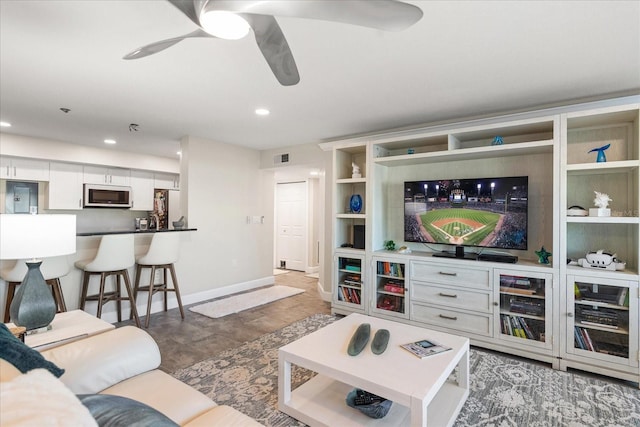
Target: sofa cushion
(161,391)
(37,398)
(223,415)
(117,411)
(22,356)
(100,361)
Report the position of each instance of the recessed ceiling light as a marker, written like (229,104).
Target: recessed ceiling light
(5,124)
(109,141)
(262,111)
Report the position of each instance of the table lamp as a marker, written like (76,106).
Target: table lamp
(33,237)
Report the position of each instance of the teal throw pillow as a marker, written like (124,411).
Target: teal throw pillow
(23,357)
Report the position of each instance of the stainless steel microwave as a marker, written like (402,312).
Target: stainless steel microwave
(107,196)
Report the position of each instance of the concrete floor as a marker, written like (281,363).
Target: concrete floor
(185,342)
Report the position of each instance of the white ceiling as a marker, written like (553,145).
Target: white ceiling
(464,58)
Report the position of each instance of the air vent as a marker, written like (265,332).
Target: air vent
(281,158)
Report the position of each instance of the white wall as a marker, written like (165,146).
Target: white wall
(221,185)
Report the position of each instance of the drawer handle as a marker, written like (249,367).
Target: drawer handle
(448,295)
(448,317)
(444,273)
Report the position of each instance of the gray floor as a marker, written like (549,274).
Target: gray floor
(185,342)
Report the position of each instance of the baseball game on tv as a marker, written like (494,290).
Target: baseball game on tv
(482,212)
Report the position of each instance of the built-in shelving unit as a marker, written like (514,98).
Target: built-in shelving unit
(527,308)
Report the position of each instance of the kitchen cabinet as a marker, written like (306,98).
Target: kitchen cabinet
(65,186)
(166,181)
(106,175)
(26,169)
(142,185)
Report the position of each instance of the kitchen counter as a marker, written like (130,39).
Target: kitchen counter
(107,232)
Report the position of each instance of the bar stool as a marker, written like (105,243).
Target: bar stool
(163,252)
(115,255)
(52,270)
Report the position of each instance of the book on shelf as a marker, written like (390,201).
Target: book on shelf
(623,297)
(602,325)
(518,290)
(391,287)
(424,348)
(351,267)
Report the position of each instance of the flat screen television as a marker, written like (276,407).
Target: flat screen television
(479,212)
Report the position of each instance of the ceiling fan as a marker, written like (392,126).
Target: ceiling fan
(213,16)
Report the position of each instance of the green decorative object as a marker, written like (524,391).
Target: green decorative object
(543,256)
(359,339)
(380,341)
(389,245)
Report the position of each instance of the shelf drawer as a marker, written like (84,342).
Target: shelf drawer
(466,322)
(452,297)
(451,275)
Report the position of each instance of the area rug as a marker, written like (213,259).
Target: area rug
(505,392)
(240,302)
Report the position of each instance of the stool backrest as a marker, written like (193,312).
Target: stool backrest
(115,253)
(51,268)
(164,249)
(54,267)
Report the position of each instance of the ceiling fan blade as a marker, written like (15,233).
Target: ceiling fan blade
(274,48)
(161,45)
(389,15)
(188,8)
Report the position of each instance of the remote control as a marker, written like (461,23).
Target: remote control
(366,398)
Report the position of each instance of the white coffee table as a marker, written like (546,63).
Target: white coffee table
(66,327)
(421,389)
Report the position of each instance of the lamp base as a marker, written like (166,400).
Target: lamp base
(33,305)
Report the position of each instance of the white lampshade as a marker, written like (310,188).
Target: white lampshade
(36,236)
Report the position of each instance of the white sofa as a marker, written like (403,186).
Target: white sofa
(124,362)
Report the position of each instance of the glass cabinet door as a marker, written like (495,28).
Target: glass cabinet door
(349,282)
(391,288)
(600,319)
(525,306)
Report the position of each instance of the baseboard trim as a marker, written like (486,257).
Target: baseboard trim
(326,296)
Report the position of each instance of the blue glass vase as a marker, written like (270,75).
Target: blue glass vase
(355,203)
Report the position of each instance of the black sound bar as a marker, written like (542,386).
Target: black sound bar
(510,259)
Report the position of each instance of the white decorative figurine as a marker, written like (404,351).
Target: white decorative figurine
(601,201)
(355,173)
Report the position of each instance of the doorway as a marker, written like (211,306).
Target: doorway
(291,225)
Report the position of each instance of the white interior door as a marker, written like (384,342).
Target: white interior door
(291,225)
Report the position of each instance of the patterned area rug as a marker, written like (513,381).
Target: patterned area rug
(505,392)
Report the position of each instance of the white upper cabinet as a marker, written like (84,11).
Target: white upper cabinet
(65,186)
(26,169)
(142,188)
(106,175)
(166,181)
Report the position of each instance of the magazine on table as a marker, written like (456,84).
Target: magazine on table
(424,348)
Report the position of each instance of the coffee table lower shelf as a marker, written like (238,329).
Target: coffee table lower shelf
(321,402)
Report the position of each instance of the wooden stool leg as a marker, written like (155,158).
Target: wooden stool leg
(11,290)
(176,289)
(118,295)
(103,277)
(166,287)
(56,288)
(132,299)
(136,287)
(85,289)
(153,275)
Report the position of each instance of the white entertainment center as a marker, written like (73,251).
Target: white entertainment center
(565,315)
